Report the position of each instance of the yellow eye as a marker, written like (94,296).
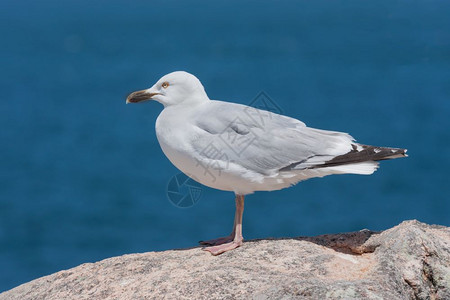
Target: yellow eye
(165,85)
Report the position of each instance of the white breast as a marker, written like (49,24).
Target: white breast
(174,139)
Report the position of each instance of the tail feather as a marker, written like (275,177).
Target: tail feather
(361,168)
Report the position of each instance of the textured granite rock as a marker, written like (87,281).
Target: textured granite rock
(409,261)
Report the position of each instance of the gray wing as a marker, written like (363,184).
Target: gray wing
(262,141)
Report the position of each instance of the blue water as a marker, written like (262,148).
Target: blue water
(83,177)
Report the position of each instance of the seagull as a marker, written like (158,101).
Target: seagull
(242,149)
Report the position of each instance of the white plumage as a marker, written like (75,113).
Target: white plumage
(238,148)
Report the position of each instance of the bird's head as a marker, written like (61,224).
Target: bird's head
(173,88)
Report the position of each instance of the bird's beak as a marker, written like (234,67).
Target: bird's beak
(139,96)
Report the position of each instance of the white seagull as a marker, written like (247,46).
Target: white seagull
(238,148)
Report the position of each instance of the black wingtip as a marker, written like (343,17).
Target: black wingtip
(396,153)
(361,153)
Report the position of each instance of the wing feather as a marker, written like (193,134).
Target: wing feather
(262,141)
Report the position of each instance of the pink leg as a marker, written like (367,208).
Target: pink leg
(226,239)
(218,241)
(235,239)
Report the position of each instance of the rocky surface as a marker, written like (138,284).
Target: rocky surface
(409,261)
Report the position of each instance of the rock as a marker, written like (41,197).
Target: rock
(409,261)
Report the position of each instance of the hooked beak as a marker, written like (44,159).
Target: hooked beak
(139,96)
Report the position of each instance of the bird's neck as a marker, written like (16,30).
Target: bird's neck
(191,100)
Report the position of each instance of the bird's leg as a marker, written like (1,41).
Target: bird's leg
(219,241)
(225,239)
(235,239)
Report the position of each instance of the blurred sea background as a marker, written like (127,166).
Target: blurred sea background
(82,174)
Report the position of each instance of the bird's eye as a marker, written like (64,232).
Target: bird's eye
(165,85)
